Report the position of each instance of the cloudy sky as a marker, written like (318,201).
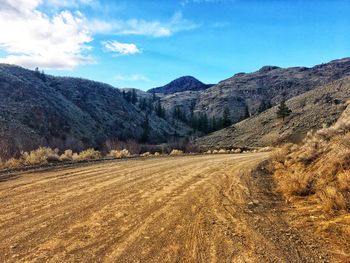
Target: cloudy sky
(147,43)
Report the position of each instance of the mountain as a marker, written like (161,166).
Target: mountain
(37,109)
(187,83)
(310,111)
(249,94)
(63,112)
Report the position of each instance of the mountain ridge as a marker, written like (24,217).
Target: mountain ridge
(185,83)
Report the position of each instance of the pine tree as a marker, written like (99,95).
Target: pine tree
(43,76)
(143,104)
(128,96)
(226,121)
(37,72)
(203,123)
(283,111)
(246,112)
(146,129)
(213,124)
(160,111)
(133,96)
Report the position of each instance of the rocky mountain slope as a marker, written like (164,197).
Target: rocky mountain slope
(310,111)
(255,92)
(68,112)
(186,83)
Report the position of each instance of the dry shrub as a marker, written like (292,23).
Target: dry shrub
(265,149)
(132,146)
(280,154)
(238,150)
(319,166)
(299,183)
(13,163)
(43,155)
(67,156)
(208,152)
(333,199)
(156,154)
(222,151)
(343,180)
(176,152)
(146,154)
(215,152)
(119,154)
(89,154)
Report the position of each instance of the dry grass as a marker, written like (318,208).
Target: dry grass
(319,167)
(90,154)
(176,152)
(45,155)
(66,156)
(119,154)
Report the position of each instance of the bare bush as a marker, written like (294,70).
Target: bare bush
(132,146)
(146,154)
(67,156)
(176,152)
(89,154)
(42,155)
(119,153)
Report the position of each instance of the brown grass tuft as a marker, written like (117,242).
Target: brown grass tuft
(320,166)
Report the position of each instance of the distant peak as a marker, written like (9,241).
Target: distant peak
(185,83)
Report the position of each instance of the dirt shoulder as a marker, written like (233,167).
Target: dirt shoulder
(189,209)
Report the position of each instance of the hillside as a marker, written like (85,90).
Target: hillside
(310,110)
(67,112)
(186,83)
(314,177)
(255,92)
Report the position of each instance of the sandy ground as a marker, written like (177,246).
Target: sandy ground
(179,209)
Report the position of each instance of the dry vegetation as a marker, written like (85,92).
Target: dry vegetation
(45,155)
(314,177)
(320,166)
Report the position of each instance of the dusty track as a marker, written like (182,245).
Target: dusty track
(182,209)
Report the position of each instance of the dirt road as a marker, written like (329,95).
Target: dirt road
(180,209)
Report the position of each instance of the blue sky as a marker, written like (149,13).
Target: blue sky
(144,44)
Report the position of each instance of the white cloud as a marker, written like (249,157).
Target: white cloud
(121,48)
(133,77)
(71,3)
(31,38)
(176,24)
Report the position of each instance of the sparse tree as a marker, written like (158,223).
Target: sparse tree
(213,124)
(160,111)
(128,96)
(37,72)
(246,112)
(133,96)
(283,110)
(43,76)
(226,121)
(146,130)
